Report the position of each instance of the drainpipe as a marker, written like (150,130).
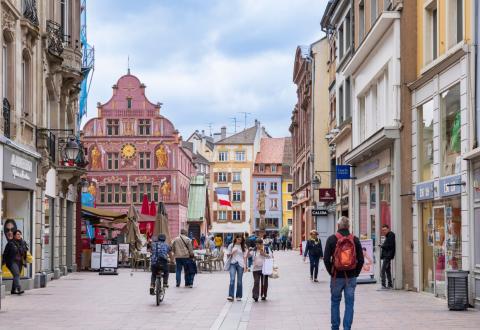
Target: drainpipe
(477,71)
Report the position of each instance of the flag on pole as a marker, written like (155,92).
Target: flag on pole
(223,196)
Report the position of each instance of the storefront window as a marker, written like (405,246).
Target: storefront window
(385,209)
(450,131)
(373,211)
(425,141)
(363,212)
(447,241)
(427,247)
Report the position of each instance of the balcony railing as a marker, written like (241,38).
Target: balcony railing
(30,11)
(54,38)
(6,118)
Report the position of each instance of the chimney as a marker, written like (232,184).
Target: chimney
(223,131)
(203,132)
(257,123)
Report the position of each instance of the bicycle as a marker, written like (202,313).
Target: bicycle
(159,289)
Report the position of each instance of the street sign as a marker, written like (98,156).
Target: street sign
(342,172)
(327,195)
(319,213)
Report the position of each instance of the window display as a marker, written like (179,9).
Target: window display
(363,212)
(425,141)
(450,131)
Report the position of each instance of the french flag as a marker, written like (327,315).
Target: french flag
(223,196)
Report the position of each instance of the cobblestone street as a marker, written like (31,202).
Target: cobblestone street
(90,301)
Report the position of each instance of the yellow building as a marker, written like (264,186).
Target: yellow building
(287,185)
(444,161)
(232,168)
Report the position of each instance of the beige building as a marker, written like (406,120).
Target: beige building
(41,71)
(232,168)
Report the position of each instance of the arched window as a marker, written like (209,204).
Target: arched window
(26,85)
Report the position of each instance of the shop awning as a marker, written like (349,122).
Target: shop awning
(104,214)
(220,228)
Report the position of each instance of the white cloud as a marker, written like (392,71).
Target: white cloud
(205,63)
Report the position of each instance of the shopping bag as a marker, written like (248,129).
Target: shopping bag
(267,268)
(226,263)
(275,273)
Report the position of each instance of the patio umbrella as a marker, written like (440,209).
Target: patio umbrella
(145,209)
(153,209)
(161,222)
(132,230)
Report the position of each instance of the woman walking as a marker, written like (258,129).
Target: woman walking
(314,251)
(238,257)
(15,255)
(260,281)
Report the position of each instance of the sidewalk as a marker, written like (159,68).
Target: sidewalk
(90,301)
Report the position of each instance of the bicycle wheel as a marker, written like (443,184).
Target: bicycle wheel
(158,290)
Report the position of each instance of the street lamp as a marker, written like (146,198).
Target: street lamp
(71,151)
(316,183)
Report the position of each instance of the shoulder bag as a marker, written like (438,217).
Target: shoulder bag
(191,255)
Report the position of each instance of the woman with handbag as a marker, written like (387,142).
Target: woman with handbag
(15,256)
(260,280)
(236,265)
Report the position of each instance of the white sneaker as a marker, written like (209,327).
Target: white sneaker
(239,299)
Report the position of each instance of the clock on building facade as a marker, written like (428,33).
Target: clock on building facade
(128,151)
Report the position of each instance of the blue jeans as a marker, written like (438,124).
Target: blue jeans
(180,263)
(314,261)
(347,285)
(235,269)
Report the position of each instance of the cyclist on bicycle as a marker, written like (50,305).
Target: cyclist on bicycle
(160,253)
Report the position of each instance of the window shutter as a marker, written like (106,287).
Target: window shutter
(215,198)
(242,196)
(242,215)
(229,215)
(215,215)
(215,177)
(229,177)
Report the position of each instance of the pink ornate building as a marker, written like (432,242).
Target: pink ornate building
(133,150)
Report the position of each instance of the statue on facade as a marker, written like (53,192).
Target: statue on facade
(162,156)
(261,200)
(92,190)
(96,158)
(166,188)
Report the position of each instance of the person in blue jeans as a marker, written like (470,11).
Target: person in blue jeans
(183,251)
(237,256)
(342,281)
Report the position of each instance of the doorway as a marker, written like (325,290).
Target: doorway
(439,250)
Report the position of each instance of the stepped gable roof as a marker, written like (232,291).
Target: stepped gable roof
(271,151)
(246,136)
(288,152)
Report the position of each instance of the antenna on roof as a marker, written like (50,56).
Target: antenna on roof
(235,123)
(245,115)
(128,64)
(210,128)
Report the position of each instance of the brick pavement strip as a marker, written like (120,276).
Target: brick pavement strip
(90,301)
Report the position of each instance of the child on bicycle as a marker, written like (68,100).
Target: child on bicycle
(159,260)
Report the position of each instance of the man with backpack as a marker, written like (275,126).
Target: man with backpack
(314,251)
(387,254)
(343,260)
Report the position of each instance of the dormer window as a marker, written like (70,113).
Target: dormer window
(129,102)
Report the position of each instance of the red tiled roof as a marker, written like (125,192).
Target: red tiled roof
(271,151)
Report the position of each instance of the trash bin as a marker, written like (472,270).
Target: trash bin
(457,290)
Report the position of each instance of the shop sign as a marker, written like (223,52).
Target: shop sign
(342,172)
(450,186)
(19,169)
(326,195)
(319,213)
(425,190)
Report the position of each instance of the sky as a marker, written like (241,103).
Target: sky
(207,61)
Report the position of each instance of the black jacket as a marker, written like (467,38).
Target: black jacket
(330,252)
(12,253)
(314,248)
(388,246)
